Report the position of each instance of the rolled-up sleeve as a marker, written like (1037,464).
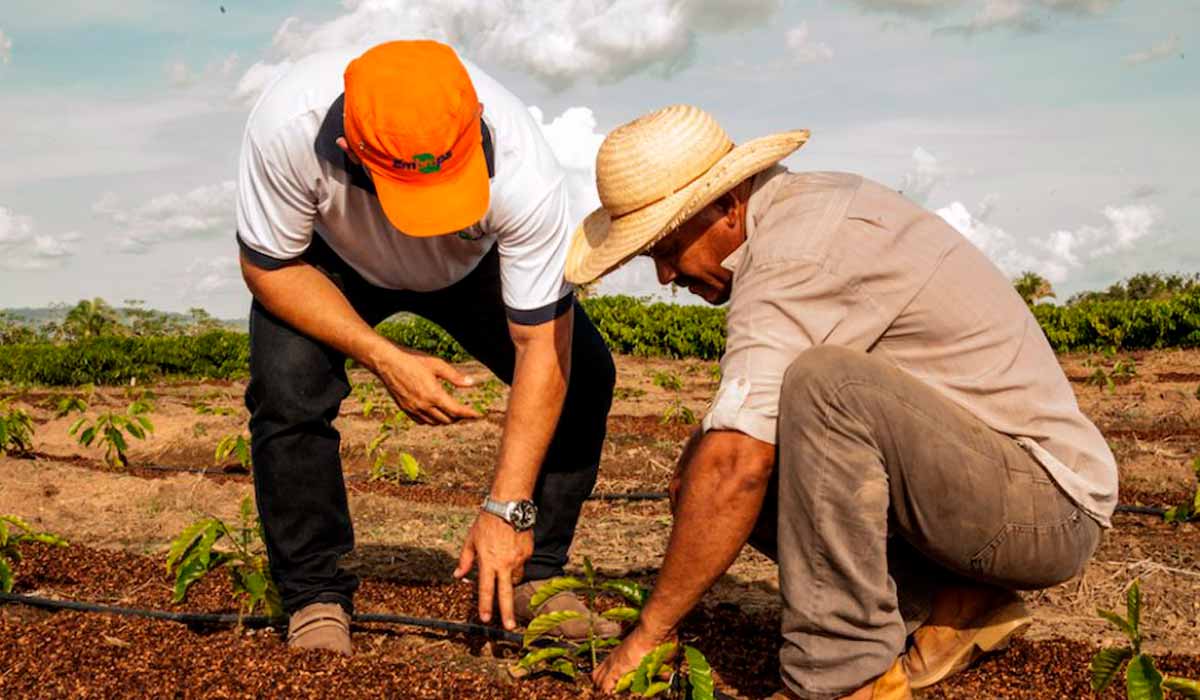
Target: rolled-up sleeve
(780,309)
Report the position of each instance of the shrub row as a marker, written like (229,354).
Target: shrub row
(629,326)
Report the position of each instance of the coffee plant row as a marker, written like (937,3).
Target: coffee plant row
(629,326)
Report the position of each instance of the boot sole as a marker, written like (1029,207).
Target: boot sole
(992,636)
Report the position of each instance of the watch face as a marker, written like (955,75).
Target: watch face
(524,514)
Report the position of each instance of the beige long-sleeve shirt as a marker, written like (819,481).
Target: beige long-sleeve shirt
(836,258)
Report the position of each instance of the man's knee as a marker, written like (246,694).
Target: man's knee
(820,372)
(294,379)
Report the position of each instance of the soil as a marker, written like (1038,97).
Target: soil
(121,521)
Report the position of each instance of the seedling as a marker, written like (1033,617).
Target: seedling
(667,380)
(16,430)
(403,467)
(367,394)
(202,408)
(110,429)
(628,392)
(1142,680)
(486,394)
(192,557)
(553,654)
(13,533)
(1123,371)
(678,412)
(234,444)
(68,405)
(1188,510)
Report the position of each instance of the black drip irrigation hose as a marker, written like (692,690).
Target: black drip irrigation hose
(257,621)
(602,496)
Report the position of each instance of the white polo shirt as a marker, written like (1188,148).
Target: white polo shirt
(293,181)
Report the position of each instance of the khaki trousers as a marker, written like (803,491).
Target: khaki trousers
(885,490)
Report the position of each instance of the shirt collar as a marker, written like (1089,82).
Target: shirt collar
(761,194)
(333,128)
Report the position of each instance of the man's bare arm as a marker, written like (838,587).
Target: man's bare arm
(304,298)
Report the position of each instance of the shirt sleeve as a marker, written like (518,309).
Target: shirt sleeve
(530,214)
(275,209)
(779,310)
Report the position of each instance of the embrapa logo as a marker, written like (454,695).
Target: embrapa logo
(423,163)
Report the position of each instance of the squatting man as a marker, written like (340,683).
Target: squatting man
(402,178)
(891,427)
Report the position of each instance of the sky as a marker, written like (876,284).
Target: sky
(1056,135)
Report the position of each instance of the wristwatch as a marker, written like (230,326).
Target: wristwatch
(520,514)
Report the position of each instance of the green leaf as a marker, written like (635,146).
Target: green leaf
(552,588)
(18,522)
(536,657)
(1187,688)
(185,539)
(699,674)
(625,683)
(76,425)
(410,466)
(193,569)
(565,667)
(585,649)
(651,663)
(6,576)
(1106,664)
(135,431)
(624,614)
(47,538)
(632,591)
(88,436)
(542,624)
(656,688)
(1133,606)
(1142,680)
(1118,621)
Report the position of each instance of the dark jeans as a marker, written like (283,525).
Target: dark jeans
(296,388)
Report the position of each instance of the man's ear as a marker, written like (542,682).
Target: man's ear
(341,142)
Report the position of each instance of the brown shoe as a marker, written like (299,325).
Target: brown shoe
(320,626)
(892,685)
(965,624)
(571,630)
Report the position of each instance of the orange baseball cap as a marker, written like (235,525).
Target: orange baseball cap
(412,117)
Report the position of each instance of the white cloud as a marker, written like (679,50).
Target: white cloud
(575,141)
(557,43)
(217,275)
(996,14)
(5,48)
(1163,49)
(805,51)
(178,74)
(909,7)
(23,249)
(1080,7)
(925,175)
(1060,252)
(203,211)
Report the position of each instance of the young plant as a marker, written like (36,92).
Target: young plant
(404,467)
(13,533)
(202,408)
(234,444)
(1142,680)
(486,394)
(552,654)
(110,429)
(68,405)
(192,556)
(16,430)
(667,380)
(1188,510)
(367,394)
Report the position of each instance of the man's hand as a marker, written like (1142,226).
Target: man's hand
(501,553)
(413,380)
(625,658)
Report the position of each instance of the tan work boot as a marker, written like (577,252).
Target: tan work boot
(892,685)
(320,626)
(571,630)
(966,622)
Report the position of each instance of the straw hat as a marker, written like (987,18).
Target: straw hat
(655,173)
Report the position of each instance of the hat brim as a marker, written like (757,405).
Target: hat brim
(602,244)
(450,205)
